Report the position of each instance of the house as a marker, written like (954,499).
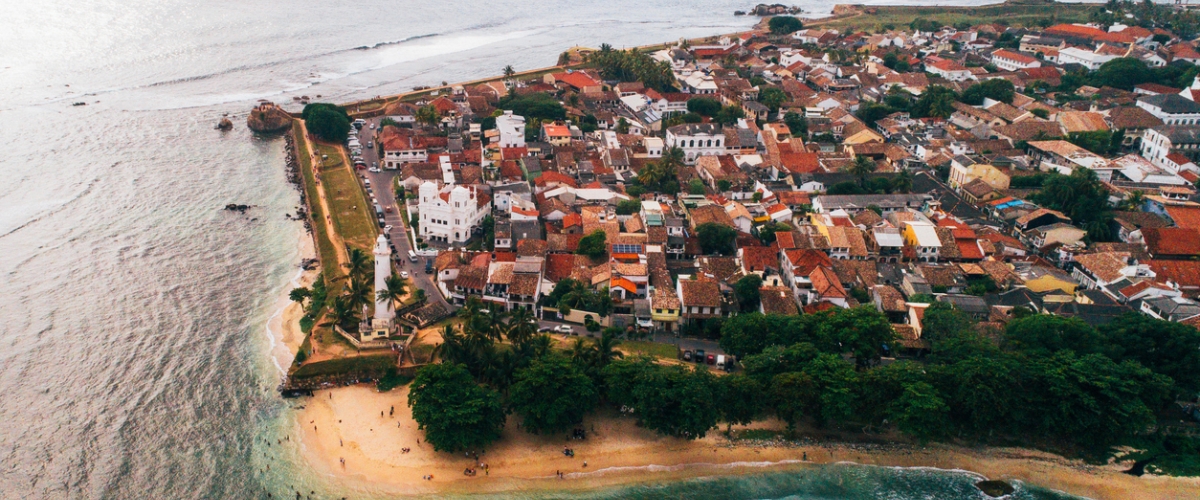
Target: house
(964,169)
(664,308)
(854,203)
(700,299)
(923,238)
(1064,157)
(1172,242)
(948,69)
(1172,109)
(1086,58)
(557,134)
(450,214)
(512,130)
(696,140)
(1013,61)
(1059,233)
(1163,140)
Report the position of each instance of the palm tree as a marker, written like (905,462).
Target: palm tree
(861,168)
(509,71)
(427,115)
(580,353)
(453,348)
(903,182)
(1134,201)
(604,350)
(359,265)
(522,326)
(495,322)
(343,313)
(419,294)
(358,293)
(395,287)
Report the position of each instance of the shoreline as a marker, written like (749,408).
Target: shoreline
(283,326)
(342,423)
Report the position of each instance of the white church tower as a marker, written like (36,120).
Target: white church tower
(382,325)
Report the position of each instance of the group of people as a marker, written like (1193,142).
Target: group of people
(405,450)
(468,472)
(570,452)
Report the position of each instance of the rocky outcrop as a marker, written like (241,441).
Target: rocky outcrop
(763,9)
(225,124)
(267,117)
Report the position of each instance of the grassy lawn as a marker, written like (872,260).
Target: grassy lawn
(330,271)
(333,156)
(352,213)
(1015,14)
(656,349)
(373,363)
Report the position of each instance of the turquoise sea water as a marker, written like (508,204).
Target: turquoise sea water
(135,359)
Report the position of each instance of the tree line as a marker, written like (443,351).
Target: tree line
(1044,380)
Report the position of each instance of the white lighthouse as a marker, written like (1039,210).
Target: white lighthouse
(382,324)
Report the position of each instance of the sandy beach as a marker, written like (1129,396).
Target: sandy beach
(346,424)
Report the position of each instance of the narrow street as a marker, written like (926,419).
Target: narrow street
(381,192)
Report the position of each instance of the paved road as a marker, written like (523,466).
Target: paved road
(381,192)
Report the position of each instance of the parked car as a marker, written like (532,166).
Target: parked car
(404,274)
(545,329)
(388,210)
(699,357)
(687,355)
(370,144)
(712,360)
(373,170)
(387,228)
(564,329)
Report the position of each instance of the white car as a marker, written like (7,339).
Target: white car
(373,170)
(563,329)
(387,228)
(404,274)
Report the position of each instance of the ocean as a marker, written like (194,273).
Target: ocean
(135,358)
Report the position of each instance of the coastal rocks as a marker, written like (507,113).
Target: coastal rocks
(225,124)
(267,117)
(995,489)
(310,264)
(763,9)
(297,180)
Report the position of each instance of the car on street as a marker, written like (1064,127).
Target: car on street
(712,359)
(387,228)
(699,356)
(687,355)
(375,164)
(404,274)
(545,329)
(388,210)
(564,329)
(373,170)
(370,144)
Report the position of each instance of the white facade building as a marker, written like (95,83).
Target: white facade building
(512,130)
(696,140)
(1085,58)
(449,214)
(1013,61)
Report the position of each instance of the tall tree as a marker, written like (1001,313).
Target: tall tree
(552,395)
(861,168)
(454,411)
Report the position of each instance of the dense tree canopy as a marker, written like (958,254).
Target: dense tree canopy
(672,400)
(552,394)
(784,25)
(539,105)
(327,121)
(594,245)
(716,238)
(1082,197)
(454,411)
(633,66)
(704,106)
(936,102)
(996,89)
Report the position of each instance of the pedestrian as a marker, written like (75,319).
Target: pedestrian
(806,456)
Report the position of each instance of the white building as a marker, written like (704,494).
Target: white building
(1085,58)
(949,70)
(696,140)
(1163,140)
(381,324)
(1013,61)
(512,130)
(699,83)
(1172,109)
(449,214)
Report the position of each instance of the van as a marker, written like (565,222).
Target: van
(412,256)
(367,182)
(721,360)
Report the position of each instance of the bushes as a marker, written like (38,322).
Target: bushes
(327,121)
